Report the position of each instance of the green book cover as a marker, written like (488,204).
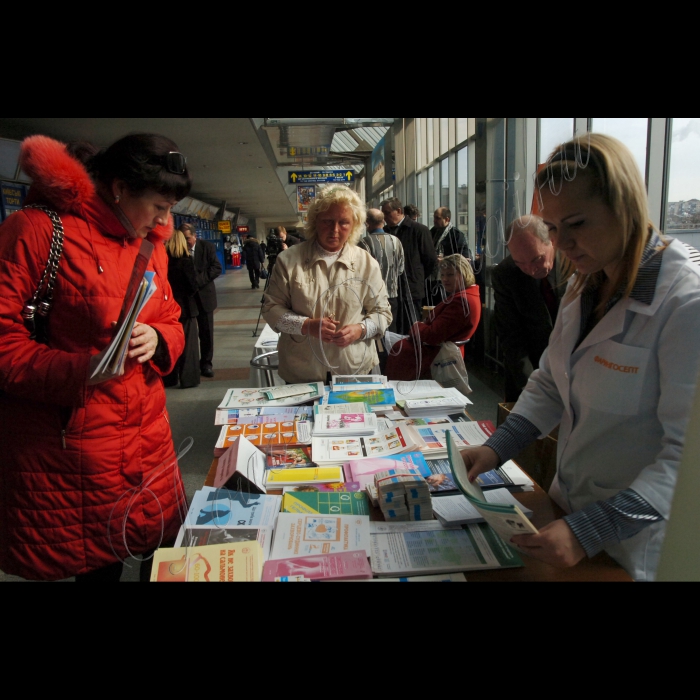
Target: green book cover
(339,503)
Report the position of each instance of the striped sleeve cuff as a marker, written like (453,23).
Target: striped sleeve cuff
(610,522)
(512,437)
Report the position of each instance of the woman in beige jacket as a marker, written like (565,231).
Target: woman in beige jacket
(326,296)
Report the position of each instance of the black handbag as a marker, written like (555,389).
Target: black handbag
(263,273)
(36,310)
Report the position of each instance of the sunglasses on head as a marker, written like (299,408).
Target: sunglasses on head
(174,162)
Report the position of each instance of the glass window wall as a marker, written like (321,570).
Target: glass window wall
(553,131)
(427,216)
(683,209)
(462,219)
(632,131)
(445,183)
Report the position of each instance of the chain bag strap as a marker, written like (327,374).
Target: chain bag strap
(36,310)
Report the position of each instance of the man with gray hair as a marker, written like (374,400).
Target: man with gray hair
(388,252)
(528,288)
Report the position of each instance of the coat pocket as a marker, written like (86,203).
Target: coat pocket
(610,378)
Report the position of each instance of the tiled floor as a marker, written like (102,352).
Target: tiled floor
(192,410)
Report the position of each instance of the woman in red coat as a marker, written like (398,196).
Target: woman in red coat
(88,474)
(455,319)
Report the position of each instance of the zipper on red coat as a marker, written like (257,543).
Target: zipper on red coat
(63,439)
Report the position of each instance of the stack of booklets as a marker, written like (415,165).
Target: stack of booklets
(425,548)
(458,510)
(432,438)
(278,393)
(343,566)
(279,478)
(244,416)
(265,435)
(223,508)
(222,563)
(257,398)
(381,444)
(403,495)
(340,382)
(423,390)
(363,471)
(301,535)
(327,503)
(371,390)
(345,425)
(448,400)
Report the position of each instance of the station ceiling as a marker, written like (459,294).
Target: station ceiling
(236,160)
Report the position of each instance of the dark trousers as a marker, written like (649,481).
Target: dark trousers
(205,323)
(254,275)
(410,311)
(394,303)
(113,572)
(187,371)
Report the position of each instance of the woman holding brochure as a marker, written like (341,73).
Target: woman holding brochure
(88,475)
(620,373)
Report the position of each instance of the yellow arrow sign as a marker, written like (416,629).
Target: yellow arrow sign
(294,177)
(349,174)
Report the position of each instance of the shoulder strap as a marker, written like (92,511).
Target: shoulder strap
(42,299)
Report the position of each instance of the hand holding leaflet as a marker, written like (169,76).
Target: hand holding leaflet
(507,520)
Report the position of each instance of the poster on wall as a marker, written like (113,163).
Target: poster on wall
(381,164)
(306,195)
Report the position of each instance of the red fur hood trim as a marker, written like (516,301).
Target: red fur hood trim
(61,181)
(58,179)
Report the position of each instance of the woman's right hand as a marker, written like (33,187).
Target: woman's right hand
(322,328)
(480,460)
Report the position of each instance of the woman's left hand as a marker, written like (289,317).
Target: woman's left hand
(143,343)
(556,544)
(347,335)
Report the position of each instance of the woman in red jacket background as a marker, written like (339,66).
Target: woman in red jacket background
(88,473)
(453,320)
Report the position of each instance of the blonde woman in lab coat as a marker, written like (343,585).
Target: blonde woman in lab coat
(621,370)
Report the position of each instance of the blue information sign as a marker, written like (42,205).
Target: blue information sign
(12,198)
(309,177)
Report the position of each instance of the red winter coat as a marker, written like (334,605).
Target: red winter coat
(453,320)
(87,474)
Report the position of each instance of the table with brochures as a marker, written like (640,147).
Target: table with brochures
(600,568)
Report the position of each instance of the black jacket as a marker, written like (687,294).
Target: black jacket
(254,255)
(208,268)
(523,322)
(421,258)
(183,281)
(455,243)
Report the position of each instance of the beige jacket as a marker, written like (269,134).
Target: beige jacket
(352,289)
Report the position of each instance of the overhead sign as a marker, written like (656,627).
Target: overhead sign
(224,226)
(243,229)
(310,177)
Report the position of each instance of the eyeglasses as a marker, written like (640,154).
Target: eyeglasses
(174,162)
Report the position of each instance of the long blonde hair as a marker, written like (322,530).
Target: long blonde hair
(614,177)
(177,245)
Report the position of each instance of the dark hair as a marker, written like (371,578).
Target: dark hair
(394,204)
(411,210)
(444,213)
(138,160)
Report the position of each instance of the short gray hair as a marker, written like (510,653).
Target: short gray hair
(532,224)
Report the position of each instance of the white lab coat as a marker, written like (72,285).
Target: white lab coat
(623,400)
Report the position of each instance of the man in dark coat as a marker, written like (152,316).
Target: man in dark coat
(421,261)
(208,268)
(528,288)
(448,240)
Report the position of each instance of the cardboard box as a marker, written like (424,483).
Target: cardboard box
(539,460)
